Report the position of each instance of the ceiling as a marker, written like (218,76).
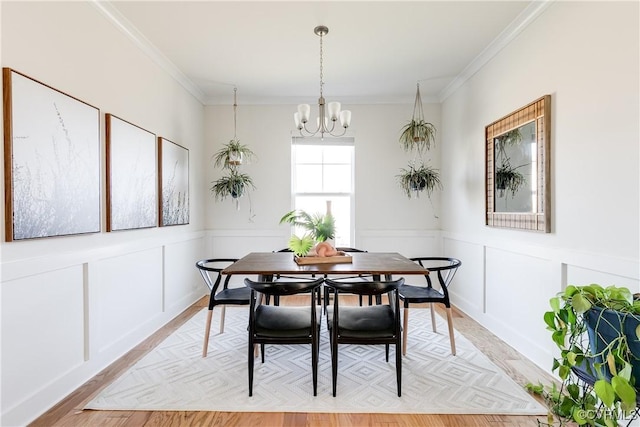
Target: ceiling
(375,51)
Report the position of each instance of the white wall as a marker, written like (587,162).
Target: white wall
(586,55)
(72,305)
(386,220)
(69,304)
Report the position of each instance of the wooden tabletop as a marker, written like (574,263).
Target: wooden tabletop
(379,263)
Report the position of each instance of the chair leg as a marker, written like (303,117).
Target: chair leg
(398,368)
(207,329)
(222,313)
(314,364)
(386,352)
(433,317)
(262,352)
(405,328)
(334,365)
(250,368)
(451,337)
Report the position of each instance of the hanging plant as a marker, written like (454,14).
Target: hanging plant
(417,179)
(233,185)
(508,178)
(230,157)
(418,134)
(232,154)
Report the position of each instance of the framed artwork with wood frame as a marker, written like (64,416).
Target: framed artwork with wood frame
(173,181)
(51,161)
(132,176)
(517,168)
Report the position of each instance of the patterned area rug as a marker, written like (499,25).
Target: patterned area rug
(174,376)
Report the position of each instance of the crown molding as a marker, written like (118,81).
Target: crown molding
(522,21)
(124,25)
(346,100)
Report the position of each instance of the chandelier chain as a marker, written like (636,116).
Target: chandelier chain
(321,67)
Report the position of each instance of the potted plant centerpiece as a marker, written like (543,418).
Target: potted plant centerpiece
(319,228)
(317,241)
(597,331)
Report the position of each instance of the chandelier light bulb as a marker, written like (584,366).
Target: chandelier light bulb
(333,108)
(345,118)
(304,110)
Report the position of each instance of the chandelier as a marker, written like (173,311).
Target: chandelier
(326,121)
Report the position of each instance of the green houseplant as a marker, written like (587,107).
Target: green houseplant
(232,154)
(417,134)
(319,228)
(417,179)
(233,185)
(230,157)
(597,331)
(509,179)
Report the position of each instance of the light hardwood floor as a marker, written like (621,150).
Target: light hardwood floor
(69,411)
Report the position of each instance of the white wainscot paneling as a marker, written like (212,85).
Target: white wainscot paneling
(410,243)
(585,276)
(42,331)
(467,288)
(518,289)
(181,278)
(126,297)
(238,243)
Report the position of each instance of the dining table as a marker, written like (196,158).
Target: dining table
(269,264)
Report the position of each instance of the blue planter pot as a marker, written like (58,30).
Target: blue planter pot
(604,325)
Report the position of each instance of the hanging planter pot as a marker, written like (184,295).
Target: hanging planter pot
(418,179)
(232,154)
(418,134)
(230,157)
(233,185)
(508,178)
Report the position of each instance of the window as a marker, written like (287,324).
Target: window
(322,171)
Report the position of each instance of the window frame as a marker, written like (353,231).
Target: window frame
(326,141)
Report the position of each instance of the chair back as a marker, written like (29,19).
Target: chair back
(444,267)
(345,249)
(361,287)
(283,288)
(211,271)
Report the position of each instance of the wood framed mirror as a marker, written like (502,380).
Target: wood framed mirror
(517,168)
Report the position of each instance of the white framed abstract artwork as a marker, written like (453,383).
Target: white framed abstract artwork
(51,161)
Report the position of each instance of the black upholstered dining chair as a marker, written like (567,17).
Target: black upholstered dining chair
(444,269)
(211,272)
(364,325)
(270,324)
